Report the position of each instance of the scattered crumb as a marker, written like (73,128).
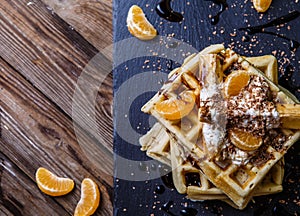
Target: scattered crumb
(282,201)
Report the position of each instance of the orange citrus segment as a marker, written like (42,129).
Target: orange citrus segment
(176,108)
(138,25)
(89,200)
(244,140)
(262,5)
(51,184)
(235,82)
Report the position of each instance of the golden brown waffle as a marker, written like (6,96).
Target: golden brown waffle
(237,182)
(199,188)
(156,143)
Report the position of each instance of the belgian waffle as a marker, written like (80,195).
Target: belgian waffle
(237,182)
(188,178)
(156,143)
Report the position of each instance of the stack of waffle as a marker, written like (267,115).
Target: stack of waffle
(194,146)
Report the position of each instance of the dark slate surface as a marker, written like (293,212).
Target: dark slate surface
(139,197)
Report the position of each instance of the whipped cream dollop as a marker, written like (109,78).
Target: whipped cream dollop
(234,154)
(254,108)
(213,113)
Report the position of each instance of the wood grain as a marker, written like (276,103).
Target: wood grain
(17,189)
(91,18)
(34,133)
(4,211)
(42,59)
(51,56)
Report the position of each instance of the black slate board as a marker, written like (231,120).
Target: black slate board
(131,91)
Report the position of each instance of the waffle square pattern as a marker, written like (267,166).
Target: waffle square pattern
(225,123)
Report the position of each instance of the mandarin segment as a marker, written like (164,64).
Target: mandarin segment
(235,82)
(89,200)
(262,5)
(51,184)
(236,171)
(245,140)
(138,25)
(175,108)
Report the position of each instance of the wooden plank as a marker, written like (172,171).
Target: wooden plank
(17,189)
(36,133)
(91,18)
(48,53)
(4,211)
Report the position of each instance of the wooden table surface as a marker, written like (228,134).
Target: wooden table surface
(44,47)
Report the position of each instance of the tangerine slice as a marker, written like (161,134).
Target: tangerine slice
(244,140)
(235,82)
(89,200)
(51,184)
(176,107)
(138,25)
(262,5)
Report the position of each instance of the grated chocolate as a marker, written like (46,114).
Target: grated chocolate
(253,110)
